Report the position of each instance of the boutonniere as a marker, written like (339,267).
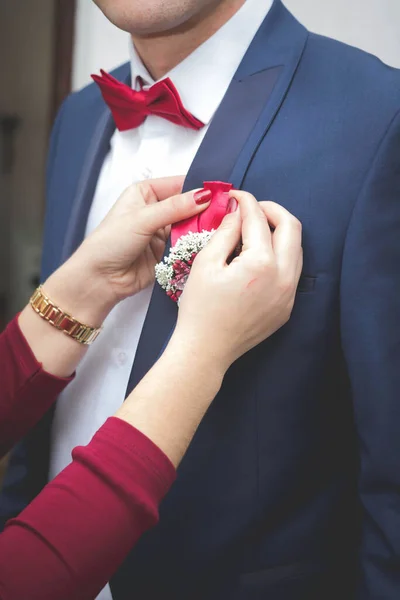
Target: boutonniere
(189,237)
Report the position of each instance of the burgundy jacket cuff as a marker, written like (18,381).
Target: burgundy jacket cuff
(128,445)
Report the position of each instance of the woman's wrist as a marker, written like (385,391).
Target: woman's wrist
(196,363)
(199,352)
(80,291)
(77,290)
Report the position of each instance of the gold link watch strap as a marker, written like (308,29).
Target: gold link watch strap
(45,308)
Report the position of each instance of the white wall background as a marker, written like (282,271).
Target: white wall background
(373,25)
(98,44)
(26,45)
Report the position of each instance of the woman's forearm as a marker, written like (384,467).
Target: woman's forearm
(84,297)
(72,538)
(38,360)
(26,391)
(171,400)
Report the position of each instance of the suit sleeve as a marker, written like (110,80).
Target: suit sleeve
(51,210)
(370,328)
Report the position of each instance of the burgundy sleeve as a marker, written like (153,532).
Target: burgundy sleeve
(71,539)
(26,390)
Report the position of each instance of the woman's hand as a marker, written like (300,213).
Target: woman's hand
(227,308)
(117,260)
(127,245)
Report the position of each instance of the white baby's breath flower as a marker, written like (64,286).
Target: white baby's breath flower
(164,274)
(185,248)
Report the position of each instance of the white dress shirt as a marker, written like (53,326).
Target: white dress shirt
(157,148)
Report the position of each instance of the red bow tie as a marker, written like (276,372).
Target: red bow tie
(130,108)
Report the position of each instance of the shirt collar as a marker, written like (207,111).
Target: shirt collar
(204,76)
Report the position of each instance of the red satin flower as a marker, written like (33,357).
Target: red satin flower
(211,218)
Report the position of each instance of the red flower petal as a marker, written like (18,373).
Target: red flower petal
(209,219)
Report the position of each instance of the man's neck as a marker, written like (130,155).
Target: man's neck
(161,53)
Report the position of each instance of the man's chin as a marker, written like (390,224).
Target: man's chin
(146,29)
(148,23)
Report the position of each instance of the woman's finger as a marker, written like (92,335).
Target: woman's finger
(158,215)
(155,190)
(225,240)
(255,229)
(286,238)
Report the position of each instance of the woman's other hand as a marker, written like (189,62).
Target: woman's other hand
(117,260)
(228,307)
(130,241)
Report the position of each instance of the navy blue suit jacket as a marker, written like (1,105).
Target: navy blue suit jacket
(291,488)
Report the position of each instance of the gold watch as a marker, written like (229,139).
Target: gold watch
(45,308)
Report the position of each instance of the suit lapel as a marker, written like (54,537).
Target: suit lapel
(97,150)
(242,120)
(94,159)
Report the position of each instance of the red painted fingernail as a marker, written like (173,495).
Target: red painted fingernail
(202,196)
(232,206)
